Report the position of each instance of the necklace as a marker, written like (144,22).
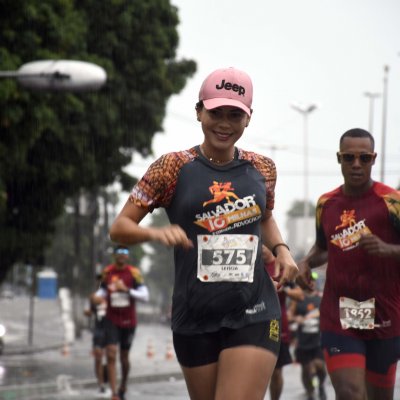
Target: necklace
(214,160)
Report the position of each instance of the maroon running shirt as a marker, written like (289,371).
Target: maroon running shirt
(353,273)
(121,307)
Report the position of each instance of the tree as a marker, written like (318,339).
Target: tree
(54,145)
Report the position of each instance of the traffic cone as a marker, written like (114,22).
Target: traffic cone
(150,349)
(169,354)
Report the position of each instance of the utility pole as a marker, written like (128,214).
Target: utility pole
(384,118)
(372,97)
(305,111)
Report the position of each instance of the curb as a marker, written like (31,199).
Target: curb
(27,392)
(9,351)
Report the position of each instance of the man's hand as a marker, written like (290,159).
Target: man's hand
(373,245)
(120,286)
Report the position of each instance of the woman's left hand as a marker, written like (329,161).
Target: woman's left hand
(288,267)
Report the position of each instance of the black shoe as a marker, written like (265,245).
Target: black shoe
(322,393)
(121,394)
(310,396)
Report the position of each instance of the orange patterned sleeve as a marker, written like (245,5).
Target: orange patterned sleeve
(320,236)
(157,186)
(267,168)
(391,197)
(137,275)
(392,201)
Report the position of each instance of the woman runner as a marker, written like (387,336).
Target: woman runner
(219,200)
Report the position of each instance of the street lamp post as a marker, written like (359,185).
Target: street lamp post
(305,111)
(384,118)
(57,76)
(372,97)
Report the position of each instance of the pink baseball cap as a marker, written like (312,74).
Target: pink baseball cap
(227,87)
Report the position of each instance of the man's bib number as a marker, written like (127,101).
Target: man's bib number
(357,314)
(229,258)
(119,299)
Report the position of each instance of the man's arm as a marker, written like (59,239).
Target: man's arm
(140,293)
(294,293)
(98,296)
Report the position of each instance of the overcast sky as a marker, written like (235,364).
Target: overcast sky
(324,52)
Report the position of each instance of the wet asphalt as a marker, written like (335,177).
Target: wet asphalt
(51,370)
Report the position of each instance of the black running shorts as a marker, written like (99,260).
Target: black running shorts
(204,348)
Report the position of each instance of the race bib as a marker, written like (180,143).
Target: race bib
(101,310)
(310,325)
(226,258)
(357,314)
(120,299)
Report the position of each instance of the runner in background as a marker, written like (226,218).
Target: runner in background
(285,293)
(96,310)
(358,234)
(308,346)
(122,285)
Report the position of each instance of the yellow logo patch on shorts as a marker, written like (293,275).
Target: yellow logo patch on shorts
(274,330)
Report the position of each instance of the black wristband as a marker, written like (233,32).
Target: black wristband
(277,245)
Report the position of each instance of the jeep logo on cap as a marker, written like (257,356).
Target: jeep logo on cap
(231,86)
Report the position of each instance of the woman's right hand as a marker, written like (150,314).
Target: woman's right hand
(315,258)
(304,277)
(171,235)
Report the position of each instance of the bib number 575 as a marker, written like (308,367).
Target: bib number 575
(230,256)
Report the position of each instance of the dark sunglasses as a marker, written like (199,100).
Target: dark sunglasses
(365,158)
